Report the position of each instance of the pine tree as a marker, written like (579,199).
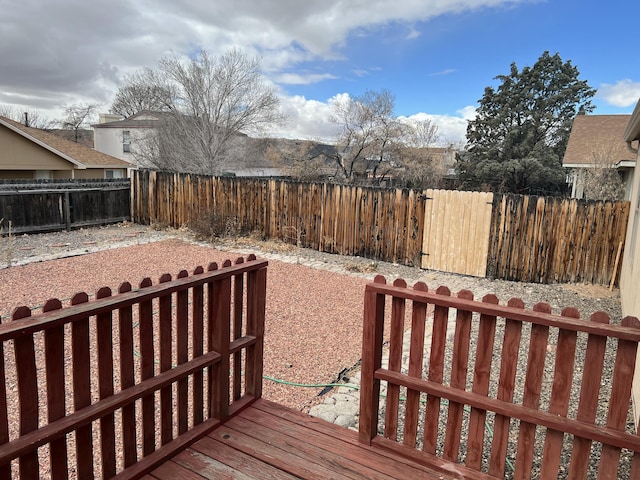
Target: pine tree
(518,138)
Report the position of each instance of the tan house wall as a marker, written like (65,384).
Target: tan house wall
(22,158)
(15,174)
(99,173)
(629,275)
(19,153)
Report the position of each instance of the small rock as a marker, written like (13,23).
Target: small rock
(345,420)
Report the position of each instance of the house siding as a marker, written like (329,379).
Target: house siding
(630,269)
(20,154)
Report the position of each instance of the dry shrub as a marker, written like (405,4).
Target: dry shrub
(212,225)
(359,267)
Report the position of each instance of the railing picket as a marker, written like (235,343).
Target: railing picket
(54,366)
(147,371)
(198,346)
(238,303)
(5,470)
(481,377)
(28,393)
(506,388)
(182,330)
(531,399)
(166,396)
(620,395)
(560,393)
(127,379)
(589,392)
(104,328)
(210,338)
(436,372)
(416,354)
(81,388)
(458,379)
(396,337)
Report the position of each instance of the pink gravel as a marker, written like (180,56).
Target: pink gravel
(313,317)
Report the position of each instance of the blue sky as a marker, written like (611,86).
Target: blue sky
(436,56)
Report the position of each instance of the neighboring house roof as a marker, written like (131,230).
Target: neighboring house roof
(85,137)
(144,119)
(591,133)
(79,155)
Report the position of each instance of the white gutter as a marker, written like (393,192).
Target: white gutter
(632,132)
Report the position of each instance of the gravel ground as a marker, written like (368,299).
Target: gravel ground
(314,300)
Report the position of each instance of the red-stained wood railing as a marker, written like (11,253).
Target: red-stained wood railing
(114,386)
(466,409)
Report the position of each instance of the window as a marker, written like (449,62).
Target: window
(43,174)
(109,174)
(126,141)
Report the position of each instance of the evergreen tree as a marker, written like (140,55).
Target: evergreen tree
(518,138)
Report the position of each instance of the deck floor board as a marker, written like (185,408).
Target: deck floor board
(268,441)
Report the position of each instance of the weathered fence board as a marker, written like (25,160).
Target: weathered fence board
(365,221)
(549,240)
(49,205)
(513,237)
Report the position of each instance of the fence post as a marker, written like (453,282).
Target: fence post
(66,203)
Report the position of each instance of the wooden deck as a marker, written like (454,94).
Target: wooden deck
(269,441)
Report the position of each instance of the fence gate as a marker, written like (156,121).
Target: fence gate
(456,231)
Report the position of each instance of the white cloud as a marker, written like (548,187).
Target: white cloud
(451,129)
(447,71)
(624,93)
(302,78)
(308,119)
(54,54)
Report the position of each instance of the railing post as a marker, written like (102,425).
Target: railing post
(219,342)
(372,335)
(256,300)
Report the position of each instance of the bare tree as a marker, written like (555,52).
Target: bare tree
(367,147)
(602,181)
(29,118)
(78,117)
(212,100)
(143,91)
(421,165)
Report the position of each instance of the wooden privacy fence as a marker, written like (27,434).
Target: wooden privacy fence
(49,205)
(514,237)
(119,383)
(547,240)
(377,223)
(467,404)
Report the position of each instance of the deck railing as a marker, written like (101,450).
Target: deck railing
(115,385)
(507,405)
